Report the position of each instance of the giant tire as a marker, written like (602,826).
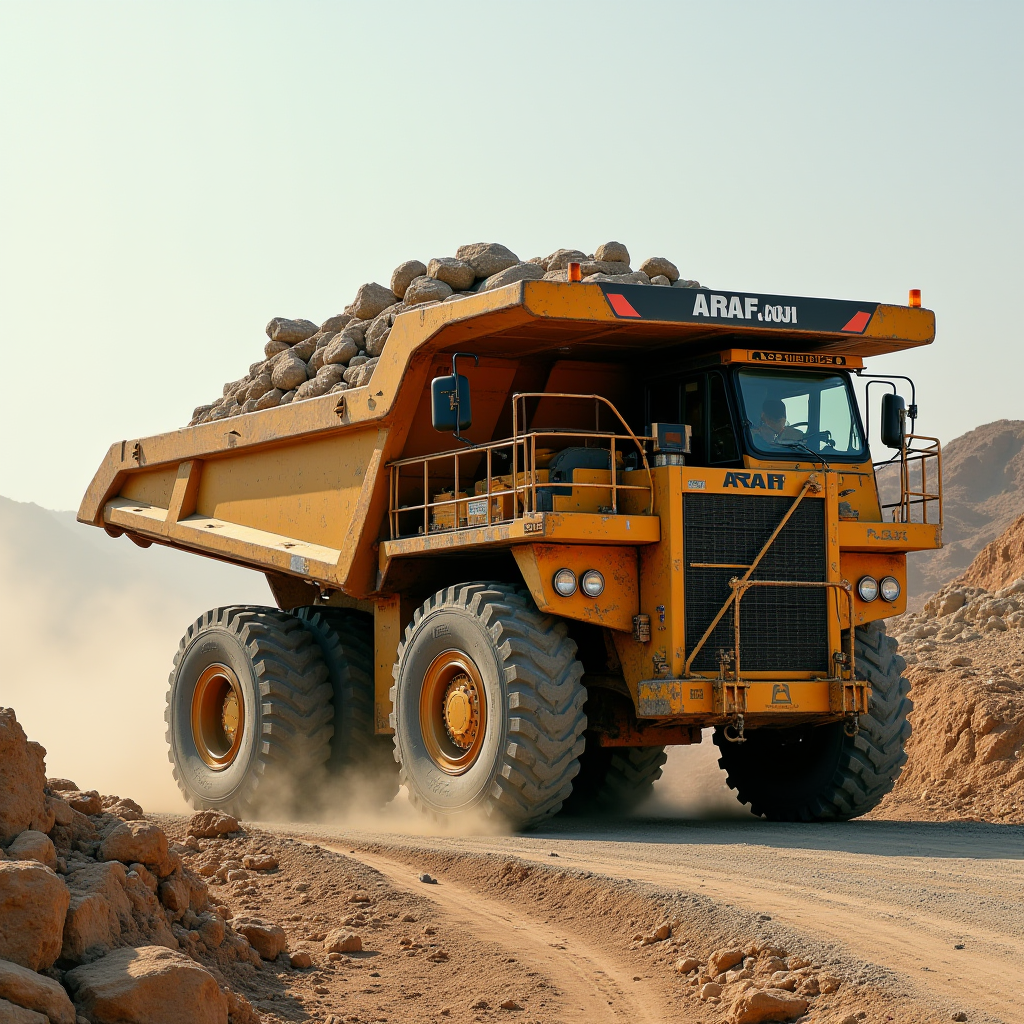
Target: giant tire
(531,704)
(821,773)
(614,780)
(283,700)
(361,767)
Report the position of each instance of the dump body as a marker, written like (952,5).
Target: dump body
(325,497)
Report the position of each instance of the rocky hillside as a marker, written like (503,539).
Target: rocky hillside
(983,475)
(965,663)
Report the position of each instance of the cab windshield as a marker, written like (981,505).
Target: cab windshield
(797,412)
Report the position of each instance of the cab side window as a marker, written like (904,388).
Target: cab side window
(721,435)
(694,406)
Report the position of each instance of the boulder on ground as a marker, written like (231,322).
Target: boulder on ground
(99,911)
(659,265)
(371,299)
(150,985)
(343,941)
(22,781)
(61,785)
(519,272)
(404,274)
(211,824)
(33,905)
(486,258)
(426,289)
(755,1005)
(290,331)
(722,959)
(457,273)
(124,807)
(267,939)
(615,252)
(32,845)
(13,1014)
(135,841)
(85,802)
(34,991)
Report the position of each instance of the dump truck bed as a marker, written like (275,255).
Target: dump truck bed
(299,490)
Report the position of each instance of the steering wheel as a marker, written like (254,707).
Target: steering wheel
(802,423)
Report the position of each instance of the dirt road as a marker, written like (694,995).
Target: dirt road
(889,902)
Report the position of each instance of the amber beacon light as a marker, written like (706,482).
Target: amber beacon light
(575,274)
(915,298)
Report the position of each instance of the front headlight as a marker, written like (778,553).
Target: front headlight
(889,588)
(867,588)
(592,583)
(565,582)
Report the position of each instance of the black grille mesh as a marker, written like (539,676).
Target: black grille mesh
(781,628)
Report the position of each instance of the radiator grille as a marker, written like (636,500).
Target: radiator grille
(781,628)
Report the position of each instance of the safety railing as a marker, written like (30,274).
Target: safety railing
(506,475)
(920,482)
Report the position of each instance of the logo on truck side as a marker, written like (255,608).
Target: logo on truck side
(751,481)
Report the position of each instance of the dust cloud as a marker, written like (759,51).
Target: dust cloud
(88,629)
(693,786)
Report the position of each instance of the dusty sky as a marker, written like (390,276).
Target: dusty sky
(174,175)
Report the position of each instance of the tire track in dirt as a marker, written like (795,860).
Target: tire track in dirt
(594,986)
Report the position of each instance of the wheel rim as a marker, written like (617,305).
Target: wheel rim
(218,716)
(453,712)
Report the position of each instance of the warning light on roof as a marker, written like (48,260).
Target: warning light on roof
(575,273)
(915,298)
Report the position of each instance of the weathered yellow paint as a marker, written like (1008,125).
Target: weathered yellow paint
(615,608)
(856,564)
(153,487)
(391,615)
(861,536)
(186,491)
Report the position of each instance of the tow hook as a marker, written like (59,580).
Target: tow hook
(737,729)
(851,726)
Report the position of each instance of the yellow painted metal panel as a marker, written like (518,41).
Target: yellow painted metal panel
(615,608)
(860,536)
(154,487)
(784,697)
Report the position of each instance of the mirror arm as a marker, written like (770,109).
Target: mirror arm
(888,378)
(458,406)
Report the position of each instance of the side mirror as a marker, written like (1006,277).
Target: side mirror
(893,415)
(450,409)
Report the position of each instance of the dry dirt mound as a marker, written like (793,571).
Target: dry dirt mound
(983,491)
(301,360)
(1000,562)
(965,662)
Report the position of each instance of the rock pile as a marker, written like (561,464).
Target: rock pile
(100,920)
(965,662)
(302,360)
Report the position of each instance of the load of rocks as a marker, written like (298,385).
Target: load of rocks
(100,920)
(301,360)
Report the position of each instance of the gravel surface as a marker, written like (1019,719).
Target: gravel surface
(884,903)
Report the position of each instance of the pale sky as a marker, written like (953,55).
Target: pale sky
(173,175)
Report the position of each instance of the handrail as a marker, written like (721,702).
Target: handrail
(523,486)
(523,395)
(922,497)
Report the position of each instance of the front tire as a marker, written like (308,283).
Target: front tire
(819,773)
(249,715)
(488,706)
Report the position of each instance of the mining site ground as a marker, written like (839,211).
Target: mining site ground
(921,920)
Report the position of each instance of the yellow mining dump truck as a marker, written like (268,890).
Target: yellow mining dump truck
(564,526)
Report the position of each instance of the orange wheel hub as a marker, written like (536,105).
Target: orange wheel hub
(453,711)
(218,716)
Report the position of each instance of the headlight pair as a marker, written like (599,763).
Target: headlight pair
(868,588)
(591,583)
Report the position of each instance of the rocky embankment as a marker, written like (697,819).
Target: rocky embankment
(965,663)
(100,920)
(302,360)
